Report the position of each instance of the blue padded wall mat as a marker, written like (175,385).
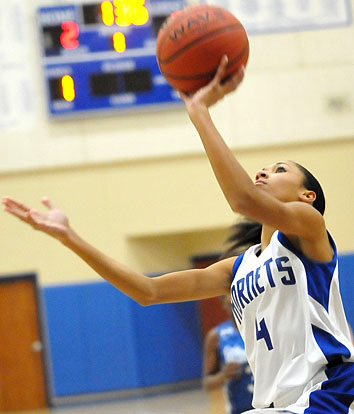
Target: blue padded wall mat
(100,340)
(346,280)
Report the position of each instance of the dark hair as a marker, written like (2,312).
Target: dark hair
(244,234)
(311,183)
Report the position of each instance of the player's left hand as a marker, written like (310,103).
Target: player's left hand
(53,221)
(215,90)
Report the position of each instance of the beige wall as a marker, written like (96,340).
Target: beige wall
(155,214)
(139,187)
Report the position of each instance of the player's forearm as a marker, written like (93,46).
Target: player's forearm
(235,183)
(134,284)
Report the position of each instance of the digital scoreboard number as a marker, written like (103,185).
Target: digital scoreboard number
(101,56)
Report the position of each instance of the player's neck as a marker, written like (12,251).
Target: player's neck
(267,233)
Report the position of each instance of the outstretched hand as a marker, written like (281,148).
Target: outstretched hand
(215,90)
(53,221)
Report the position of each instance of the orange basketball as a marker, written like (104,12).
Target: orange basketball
(191,43)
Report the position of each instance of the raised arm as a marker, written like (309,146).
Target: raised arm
(293,218)
(172,287)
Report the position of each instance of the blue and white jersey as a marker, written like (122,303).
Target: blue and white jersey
(290,314)
(238,391)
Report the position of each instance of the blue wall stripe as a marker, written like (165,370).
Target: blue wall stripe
(346,279)
(101,340)
(168,343)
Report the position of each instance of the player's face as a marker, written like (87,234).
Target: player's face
(283,180)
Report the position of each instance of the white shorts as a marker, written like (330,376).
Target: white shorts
(268,411)
(280,411)
(333,396)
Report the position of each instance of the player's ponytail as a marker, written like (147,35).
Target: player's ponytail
(245,234)
(311,183)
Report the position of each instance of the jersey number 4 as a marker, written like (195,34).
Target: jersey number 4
(263,333)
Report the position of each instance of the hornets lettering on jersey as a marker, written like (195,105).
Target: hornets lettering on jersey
(248,287)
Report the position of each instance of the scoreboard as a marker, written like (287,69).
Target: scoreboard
(101,56)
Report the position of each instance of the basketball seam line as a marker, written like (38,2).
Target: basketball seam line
(195,42)
(179,18)
(209,74)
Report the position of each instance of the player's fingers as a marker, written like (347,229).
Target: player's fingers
(183,96)
(233,82)
(221,70)
(228,86)
(46,202)
(224,62)
(240,74)
(14,204)
(237,78)
(22,215)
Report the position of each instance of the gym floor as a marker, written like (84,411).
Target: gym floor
(183,402)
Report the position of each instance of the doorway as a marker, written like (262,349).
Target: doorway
(23,380)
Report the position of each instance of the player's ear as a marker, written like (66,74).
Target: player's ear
(308,196)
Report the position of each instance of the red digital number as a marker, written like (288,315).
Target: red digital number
(70,34)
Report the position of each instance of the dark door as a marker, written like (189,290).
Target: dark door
(22,373)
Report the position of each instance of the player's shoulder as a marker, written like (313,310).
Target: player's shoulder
(225,265)
(323,250)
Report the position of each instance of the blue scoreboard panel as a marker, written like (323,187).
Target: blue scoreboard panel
(101,56)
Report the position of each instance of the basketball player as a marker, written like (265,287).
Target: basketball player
(285,292)
(226,366)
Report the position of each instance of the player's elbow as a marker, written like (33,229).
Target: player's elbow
(149,296)
(146,299)
(143,301)
(241,203)
(144,294)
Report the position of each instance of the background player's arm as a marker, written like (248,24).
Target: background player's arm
(214,374)
(179,286)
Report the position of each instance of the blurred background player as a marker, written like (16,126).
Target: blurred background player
(226,366)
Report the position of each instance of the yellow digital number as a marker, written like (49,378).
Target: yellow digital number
(107,13)
(124,12)
(119,44)
(129,12)
(68,88)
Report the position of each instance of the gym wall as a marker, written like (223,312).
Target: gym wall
(140,188)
